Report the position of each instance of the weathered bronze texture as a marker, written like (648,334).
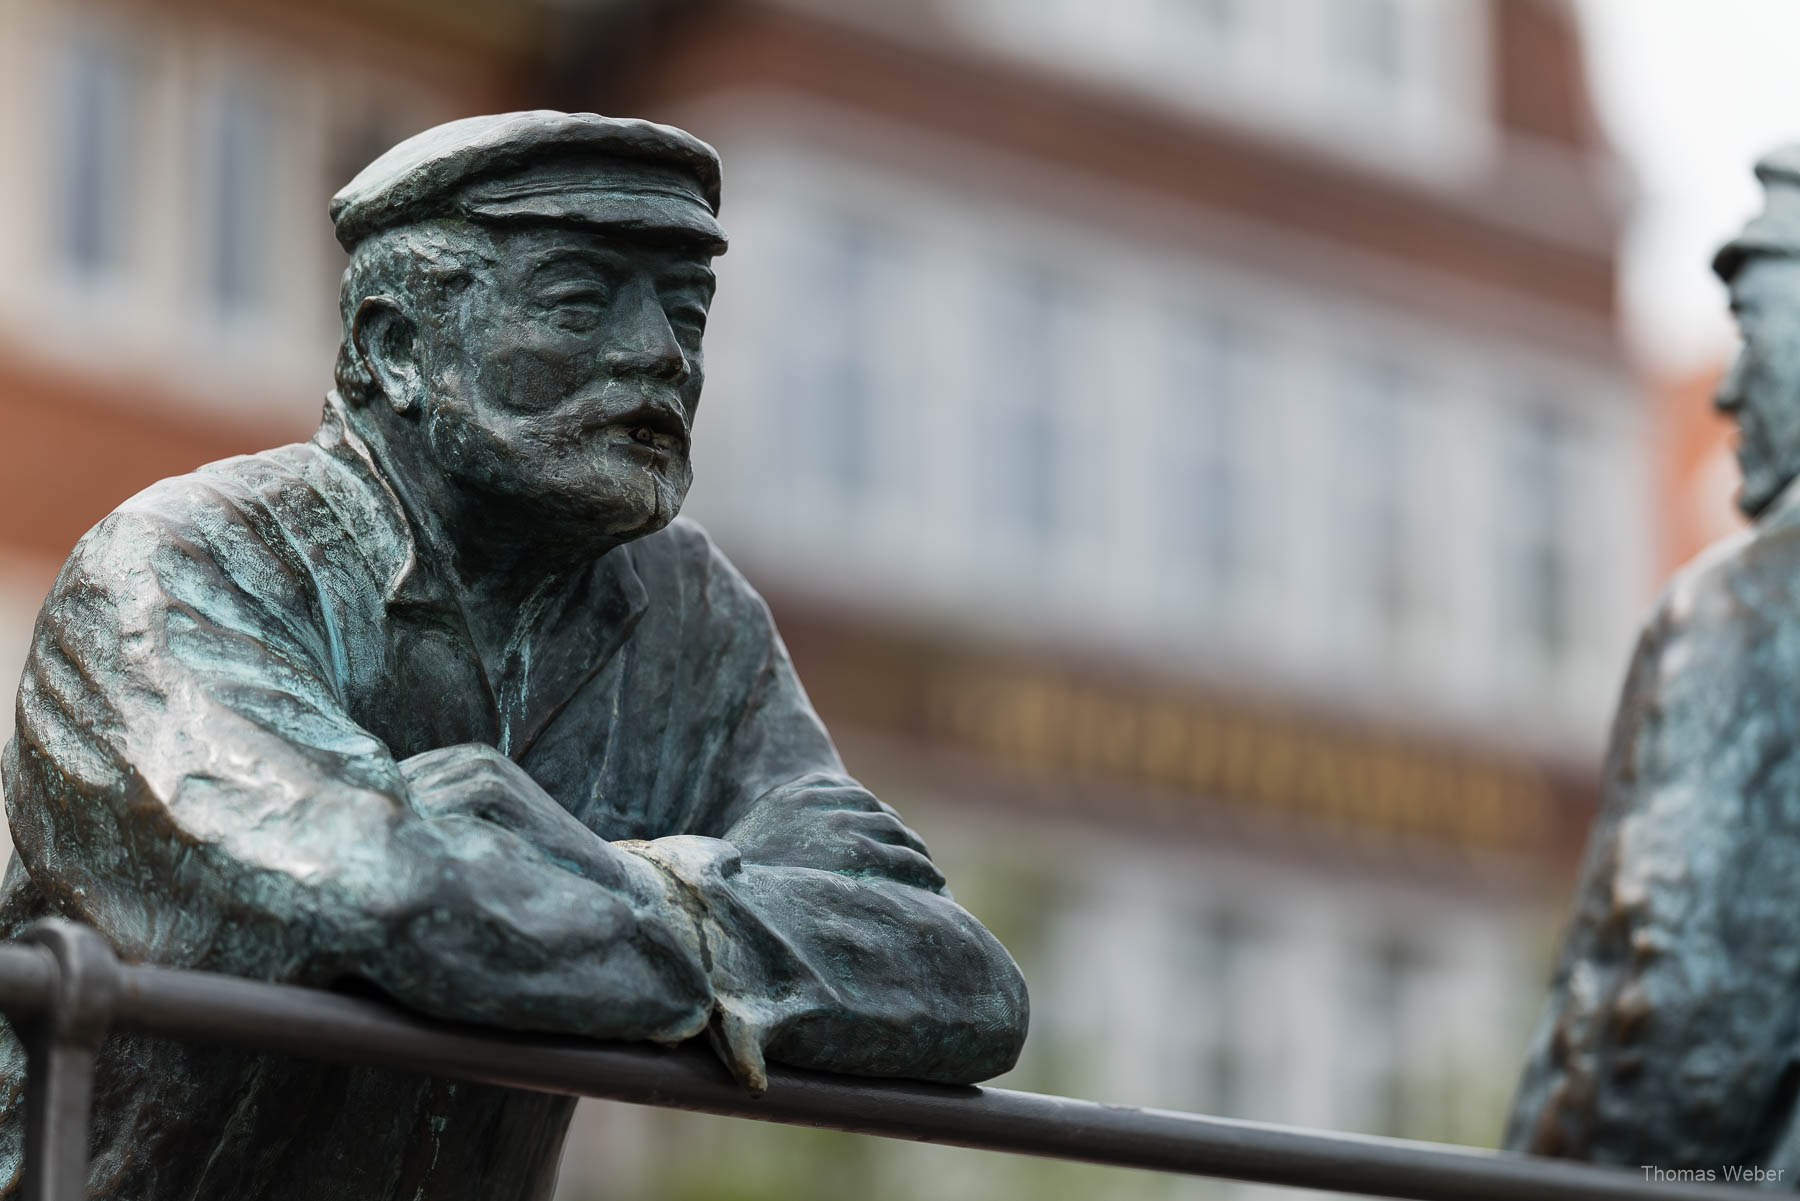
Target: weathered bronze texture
(1669,1039)
(448,703)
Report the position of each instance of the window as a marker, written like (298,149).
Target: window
(1226,1050)
(1208,24)
(833,375)
(1375,456)
(96,142)
(1366,43)
(1022,441)
(1203,502)
(242,137)
(1395,83)
(1389,984)
(1221,949)
(1536,570)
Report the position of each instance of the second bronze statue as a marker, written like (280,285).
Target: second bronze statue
(1669,1041)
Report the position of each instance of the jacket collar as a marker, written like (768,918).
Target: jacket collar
(408,581)
(573,634)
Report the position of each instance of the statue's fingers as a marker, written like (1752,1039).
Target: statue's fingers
(902,864)
(427,763)
(886,828)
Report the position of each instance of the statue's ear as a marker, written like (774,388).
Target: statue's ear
(387,343)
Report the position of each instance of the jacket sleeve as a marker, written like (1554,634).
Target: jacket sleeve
(832,940)
(1669,1036)
(184,778)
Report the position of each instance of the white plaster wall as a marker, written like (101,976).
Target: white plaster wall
(1272,71)
(917,545)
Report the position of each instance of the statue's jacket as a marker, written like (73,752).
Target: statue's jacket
(1671,1037)
(211,764)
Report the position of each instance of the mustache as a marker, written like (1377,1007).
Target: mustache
(649,413)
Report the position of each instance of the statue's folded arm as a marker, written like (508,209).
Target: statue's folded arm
(185,779)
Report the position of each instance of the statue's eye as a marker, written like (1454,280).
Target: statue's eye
(582,295)
(576,306)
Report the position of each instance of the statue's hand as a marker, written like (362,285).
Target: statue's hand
(880,843)
(475,781)
(522,916)
(847,831)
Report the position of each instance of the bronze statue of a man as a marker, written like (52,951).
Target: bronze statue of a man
(1670,1035)
(448,703)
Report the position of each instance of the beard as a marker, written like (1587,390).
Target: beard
(1760,483)
(588,475)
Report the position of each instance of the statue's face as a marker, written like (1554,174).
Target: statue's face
(563,379)
(1761,392)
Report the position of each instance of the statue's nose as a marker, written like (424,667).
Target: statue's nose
(645,343)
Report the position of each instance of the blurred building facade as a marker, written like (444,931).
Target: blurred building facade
(1185,442)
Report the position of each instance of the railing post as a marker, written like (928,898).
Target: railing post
(60,1048)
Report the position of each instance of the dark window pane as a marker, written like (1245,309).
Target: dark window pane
(1366,40)
(1203,503)
(1376,457)
(830,374)
(96,152)
(1537,567)
(1023,448)
(242,159)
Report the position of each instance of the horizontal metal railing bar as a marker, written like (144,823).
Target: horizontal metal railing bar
(209,1008)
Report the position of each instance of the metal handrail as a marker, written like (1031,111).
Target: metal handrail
(64,989)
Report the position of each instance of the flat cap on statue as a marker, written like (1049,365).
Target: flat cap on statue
(567,168)
(1775,230)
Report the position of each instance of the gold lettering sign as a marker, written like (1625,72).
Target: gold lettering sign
(1240,757)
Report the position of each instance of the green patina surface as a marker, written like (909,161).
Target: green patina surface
(447,703)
